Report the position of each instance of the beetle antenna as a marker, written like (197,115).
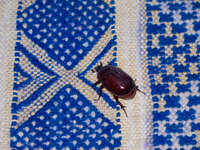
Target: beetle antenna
(140,91)
(93,70)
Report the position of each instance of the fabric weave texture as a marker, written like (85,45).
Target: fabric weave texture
(48,49)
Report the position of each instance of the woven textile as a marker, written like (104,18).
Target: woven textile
(48,49)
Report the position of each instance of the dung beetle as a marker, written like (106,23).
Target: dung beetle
(116,81)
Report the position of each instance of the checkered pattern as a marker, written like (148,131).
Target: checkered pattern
(173,40)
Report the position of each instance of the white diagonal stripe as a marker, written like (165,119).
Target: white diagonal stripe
(27,3)
(96,50)
(66,77)
(42,55)
(37,76)
(53,89)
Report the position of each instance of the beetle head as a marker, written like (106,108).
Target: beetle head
(98,67)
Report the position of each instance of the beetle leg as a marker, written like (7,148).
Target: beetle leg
(96,83)
(121,105)
(101,64)
(100,91)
